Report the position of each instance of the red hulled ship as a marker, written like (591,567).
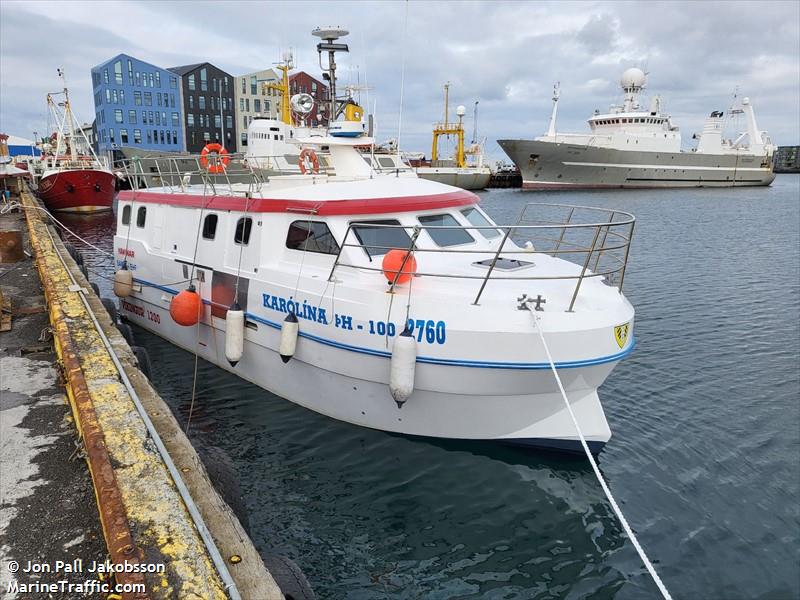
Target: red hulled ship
(71,180)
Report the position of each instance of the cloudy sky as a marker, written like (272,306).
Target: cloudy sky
(506,55)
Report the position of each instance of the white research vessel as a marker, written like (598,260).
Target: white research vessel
(635,147)
(295,292)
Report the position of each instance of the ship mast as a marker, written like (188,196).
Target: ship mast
(68,117)
(329,35)
(551,130)
(283,87)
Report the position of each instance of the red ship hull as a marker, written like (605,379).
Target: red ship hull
(78,190)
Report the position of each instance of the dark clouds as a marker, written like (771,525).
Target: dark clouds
(504,54)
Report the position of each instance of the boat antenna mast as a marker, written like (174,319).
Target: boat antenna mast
(68,117)
(551,130)
(475,124)
(447,129)
(286,64)
(329,35)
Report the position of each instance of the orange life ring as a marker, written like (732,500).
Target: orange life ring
(307,154)
(223,160)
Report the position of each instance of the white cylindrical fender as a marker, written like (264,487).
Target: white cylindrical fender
(234,334)
(289,333)
(402,368)
(123,283)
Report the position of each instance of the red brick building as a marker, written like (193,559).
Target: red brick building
(303,83)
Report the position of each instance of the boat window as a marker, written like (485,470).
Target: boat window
(446,237)
(311,236)
(377,241)
(386,162)
(210,226)
(477,218)
(126,214)
(243,227)
(141,215)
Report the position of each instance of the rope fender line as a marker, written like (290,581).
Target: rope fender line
(617,510)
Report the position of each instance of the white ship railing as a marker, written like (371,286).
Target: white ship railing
(596,239)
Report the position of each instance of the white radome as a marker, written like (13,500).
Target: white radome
(633,77)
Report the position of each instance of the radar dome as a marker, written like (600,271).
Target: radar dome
(461,110)
(633,77)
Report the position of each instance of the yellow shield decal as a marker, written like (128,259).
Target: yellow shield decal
(621,333)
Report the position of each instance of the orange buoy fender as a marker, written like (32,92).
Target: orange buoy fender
(399,261)
(123,282)
(223,160)
(186,308)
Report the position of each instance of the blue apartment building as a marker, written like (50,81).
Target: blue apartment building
(137,107)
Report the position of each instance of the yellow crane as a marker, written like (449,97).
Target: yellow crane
(446,128)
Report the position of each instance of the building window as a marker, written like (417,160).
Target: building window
(172,100)
(311,236)
(244,139)
(108,96)
(243,228)
(118,72)
(104,135)
(244,86)
(169,136)
(244,121)
(141,216)
(137,136)
(158,98)
(206,136)
(253,85)
(190,119)
(105,76)
(150,117)
(114,97)
(213,103)
(158,118)
(225,79)
(111,135)
(175,120)
(217,121)
(151,80)
(173,82)
(149,137)
(229,121)
(191,102)
(190,81)
(130,72)
(174,136)
(138,78)
(201,102)
(214,82)
(257,105)
(118,115)
(241,103)
(158,79)
(122,96)
(126,214)
(163,118)
(210,226)
(123,136)
(266,106)
(203,79)
(144,79)
(148,99)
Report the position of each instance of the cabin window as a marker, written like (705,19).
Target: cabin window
(243,227)
(386,162)
(126,214)
(478,219)
(210,226)
(141,215)
(378,239)
(311,236)
(446,237)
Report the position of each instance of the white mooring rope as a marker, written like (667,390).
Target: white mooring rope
(661,587)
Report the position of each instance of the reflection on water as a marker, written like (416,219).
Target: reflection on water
(705,454)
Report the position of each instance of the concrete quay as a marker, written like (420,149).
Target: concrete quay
(145,501)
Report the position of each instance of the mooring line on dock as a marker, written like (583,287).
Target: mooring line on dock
(617,510)
(191,507)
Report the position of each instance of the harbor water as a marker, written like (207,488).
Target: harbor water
(705,453)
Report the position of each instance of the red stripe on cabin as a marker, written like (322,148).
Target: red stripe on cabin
(367,206)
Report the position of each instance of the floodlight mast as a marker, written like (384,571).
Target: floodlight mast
(329,35)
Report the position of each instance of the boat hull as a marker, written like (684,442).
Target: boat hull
(467,179)
(546,165)
(78,190)
(519,407)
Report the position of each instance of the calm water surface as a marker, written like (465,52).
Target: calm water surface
(705,456)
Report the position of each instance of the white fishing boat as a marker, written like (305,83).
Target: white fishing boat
(385,300)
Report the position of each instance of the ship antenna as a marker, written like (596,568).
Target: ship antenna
(402,82)
(551,130)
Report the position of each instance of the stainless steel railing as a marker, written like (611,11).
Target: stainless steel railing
(604,238)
